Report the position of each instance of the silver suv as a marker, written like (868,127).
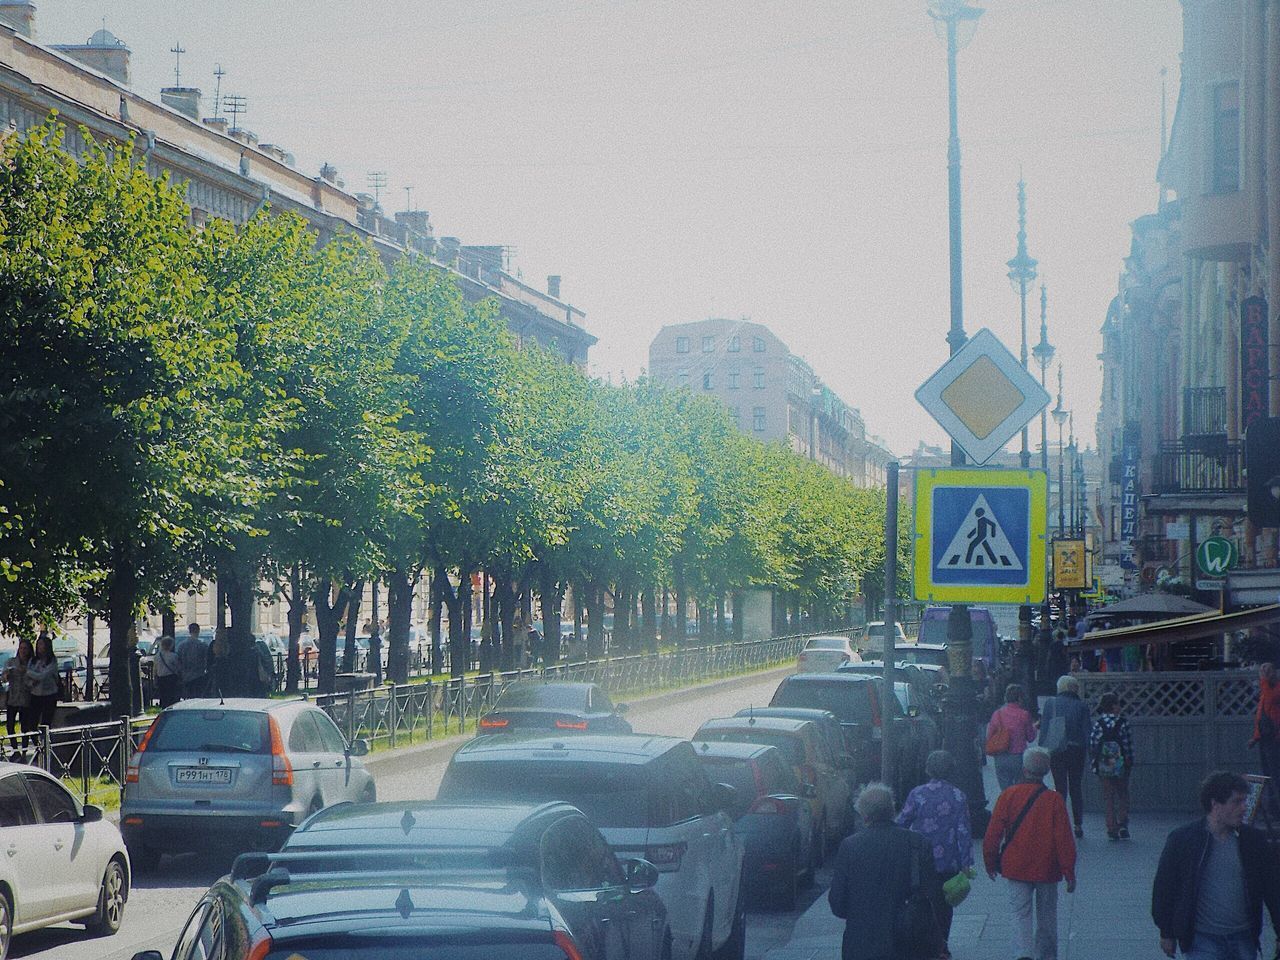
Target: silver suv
(238,773)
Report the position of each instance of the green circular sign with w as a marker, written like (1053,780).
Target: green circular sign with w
(1215,556)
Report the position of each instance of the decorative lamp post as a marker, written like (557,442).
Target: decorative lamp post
(1060,415)
(1043,352)
(955,22)
(1022,273)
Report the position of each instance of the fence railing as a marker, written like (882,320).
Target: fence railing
(91,758)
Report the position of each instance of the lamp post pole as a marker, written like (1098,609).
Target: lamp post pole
(955,21)
(1043,352)
(1022,273)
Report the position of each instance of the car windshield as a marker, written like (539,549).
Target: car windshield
(611,795)
(849,701)
(210,731)
(555,696)
(826,643)
(791,747)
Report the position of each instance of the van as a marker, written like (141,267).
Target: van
(986,643)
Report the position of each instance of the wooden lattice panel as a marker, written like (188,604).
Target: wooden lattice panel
(1236,696)
(1150,698)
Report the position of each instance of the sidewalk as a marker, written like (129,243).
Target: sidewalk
(1107,918)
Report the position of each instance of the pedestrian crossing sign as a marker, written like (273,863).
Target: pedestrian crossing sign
(980,535)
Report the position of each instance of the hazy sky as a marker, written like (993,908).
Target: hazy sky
(678,159)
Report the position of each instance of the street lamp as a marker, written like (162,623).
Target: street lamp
(1060,415)
(1022,273)
(1043,352)
(954,21)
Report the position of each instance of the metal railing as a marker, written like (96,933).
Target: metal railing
(1182,467)
(91,758)
(1204,411)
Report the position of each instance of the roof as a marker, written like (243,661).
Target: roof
(1150,605)
(235,703)
(800,713)
(775,724)
(730,749)
(426,823)
(1198,627)
(829,678)
(622,749)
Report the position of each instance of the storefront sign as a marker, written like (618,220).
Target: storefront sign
(1069,565)
(1254,364)
(1129,483)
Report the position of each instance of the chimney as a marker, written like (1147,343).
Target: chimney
(217,124)
(553,286)
(19,15)
(186,100)
(419,221)
(329,173)
(104,52)
(449,247)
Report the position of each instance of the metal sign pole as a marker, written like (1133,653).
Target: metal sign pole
(887,731)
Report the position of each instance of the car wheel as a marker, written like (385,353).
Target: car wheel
(143,859)
(111,899)
(735,947)
(6,923)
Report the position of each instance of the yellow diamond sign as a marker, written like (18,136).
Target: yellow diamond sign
(982,396)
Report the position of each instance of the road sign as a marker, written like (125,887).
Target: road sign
(980,535)
(1215,556)
(1069,565)
(982,396)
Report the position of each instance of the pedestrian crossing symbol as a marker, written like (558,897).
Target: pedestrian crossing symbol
(980,535)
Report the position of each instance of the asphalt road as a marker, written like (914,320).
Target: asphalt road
(161,901)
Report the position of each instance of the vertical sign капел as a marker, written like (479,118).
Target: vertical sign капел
(1129,483)
(1254,363)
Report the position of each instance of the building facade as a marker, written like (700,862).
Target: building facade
(771,394)
(230,174)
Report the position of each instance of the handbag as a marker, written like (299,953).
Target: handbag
(1055,738)
(956,889)
(1017,822)
(998,740)
(916,933)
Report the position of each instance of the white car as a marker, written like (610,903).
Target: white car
(63,860)
(824,654)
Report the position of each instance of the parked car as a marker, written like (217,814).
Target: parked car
(828,724)
(242,772)
(772,813)
(650,798)
(934,654)
(821,654)
(553,706)
(805,748)
(928,682)
(551,850)
(873,636)
(64,863)
(291,906)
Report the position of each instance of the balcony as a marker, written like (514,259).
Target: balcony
(1193,466)
(1204,411)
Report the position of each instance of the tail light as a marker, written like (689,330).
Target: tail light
(259,950)
(565,943)
(875,705)
(571,724)
(769,805)
(666,856)
(808,773)
(135,761)
(758,777)
(281,768)
(493,723)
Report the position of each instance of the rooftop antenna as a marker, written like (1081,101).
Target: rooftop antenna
(218,74)
(177,50)
(236,105)
(377,180)
(408,198)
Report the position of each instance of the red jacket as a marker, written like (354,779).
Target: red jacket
(1268,703)
(1043,850)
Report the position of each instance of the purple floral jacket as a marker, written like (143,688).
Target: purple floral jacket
(938,811)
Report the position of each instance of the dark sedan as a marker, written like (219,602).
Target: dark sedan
(554,707)
(550,850)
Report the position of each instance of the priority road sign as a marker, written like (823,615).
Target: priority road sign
(982,396)
(980,535)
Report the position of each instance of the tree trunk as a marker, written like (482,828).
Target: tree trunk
(721,633)
(220,606)
(595,621)
(297,610)
(168,623)
(681,634)
(648,619)
(504,600)
(459,643)
(238,584)
(464,605)
(551,598)
(122,602)
(435,601)
(375,636)
(736,600)
(329,613)
(399,612)
(664,626)
(349,654)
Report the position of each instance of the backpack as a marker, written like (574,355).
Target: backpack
(1109,757)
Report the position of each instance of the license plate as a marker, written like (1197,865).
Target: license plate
(204,775)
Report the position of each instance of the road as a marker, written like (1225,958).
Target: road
(161,901)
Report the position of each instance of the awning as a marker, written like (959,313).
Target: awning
(1199,627)
(1153,605)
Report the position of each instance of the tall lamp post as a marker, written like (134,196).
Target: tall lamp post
(955,21)
(1060,415)
(1022,273)
(1043,352)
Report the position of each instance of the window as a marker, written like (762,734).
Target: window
(52,802)
(733,379)
(15,805)
(575,857)
(706,381)
(735,344)
(757,419)
(682,378)
(211,731)
(682,344)
(736,414)
(1226,138)
(757,344)
(303,737)
(757,377)
(708,344)
(331,739)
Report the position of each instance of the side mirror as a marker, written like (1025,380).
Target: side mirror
(723,796)
(358,748)
(620,708)
(808,791)
(92,814)
(639,874)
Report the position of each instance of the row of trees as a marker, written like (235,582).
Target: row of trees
(243,405)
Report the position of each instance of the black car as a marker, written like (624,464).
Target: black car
(554,707)
(468,884)
(928,682)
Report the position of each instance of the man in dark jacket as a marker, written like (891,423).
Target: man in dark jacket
(1214,876)
(872,877)
(1064,732)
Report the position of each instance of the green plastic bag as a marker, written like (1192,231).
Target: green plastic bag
(956,889)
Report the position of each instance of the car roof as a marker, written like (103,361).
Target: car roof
(832,677)
(799,713)
(938,647)
(621,748)
(251,704)
(428,823)
(775,724)
(829,636)
(731,749)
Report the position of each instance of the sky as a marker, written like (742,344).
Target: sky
(780,160)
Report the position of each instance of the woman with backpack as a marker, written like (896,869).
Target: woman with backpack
(1111,758)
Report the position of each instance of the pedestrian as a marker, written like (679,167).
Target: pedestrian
(222,674)
(1214,876)
(1010,732)
(1064,732)
(17,697)
(1111,759)
(872,878)
(42,682)
(1266,732)
(167,672)
(939,812)
(1029,843)
(193,664)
